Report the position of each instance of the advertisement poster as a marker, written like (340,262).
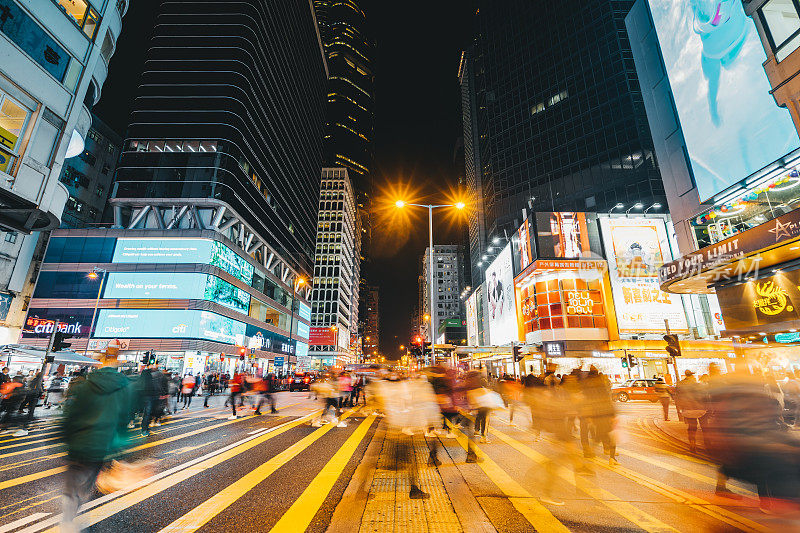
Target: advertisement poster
(566,235)
(500,295)
(472,317)
(522,247)
(176,285)
(183,251)
(322,336)
(167,324)
(636,248)
(765,301)
(40,322)
(714,58)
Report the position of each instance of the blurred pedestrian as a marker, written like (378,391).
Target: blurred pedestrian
(691,402)
(662,391)
(236,392)
(597,409)
(188,385)
(150,390)
(96,413)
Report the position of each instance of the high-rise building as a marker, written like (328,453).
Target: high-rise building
(334,299)
(55,61)
(372,321)
(229,122)
(553,115)
(350,111)
(448,276)
(88,176)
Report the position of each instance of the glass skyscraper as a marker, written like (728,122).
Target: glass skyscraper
(553,114)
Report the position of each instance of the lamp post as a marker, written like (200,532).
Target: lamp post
(295,287)
(430,208)
(93,275)
(335,330)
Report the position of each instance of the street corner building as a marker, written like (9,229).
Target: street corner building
(214,200)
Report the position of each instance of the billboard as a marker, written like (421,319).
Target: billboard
(181,251)
(636,248)
(566,235)
(522,247)
(322,336)
(713,57)
(303,330)
(168,324)
(771,300)
(176,285)
(500,291)
(472,317)
(40,322)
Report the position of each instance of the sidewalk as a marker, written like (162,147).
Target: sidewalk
(376,499)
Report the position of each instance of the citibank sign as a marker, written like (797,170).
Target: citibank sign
(73,329)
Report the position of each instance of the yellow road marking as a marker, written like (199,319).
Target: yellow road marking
(695,502)
(113,507)
(200,515)
(534,512)
(616,504)
(299,515)
(31,477)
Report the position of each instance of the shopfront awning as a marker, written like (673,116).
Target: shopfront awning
(65,357)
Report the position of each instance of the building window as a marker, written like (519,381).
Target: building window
(88,158)
(781,21)
(99,191)
(82,14)
(13,122)
(11,237)
(93,135)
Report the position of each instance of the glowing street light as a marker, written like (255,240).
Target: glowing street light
(654,206)
(637,205)
(618,206)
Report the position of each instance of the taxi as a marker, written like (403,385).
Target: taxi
(636,389)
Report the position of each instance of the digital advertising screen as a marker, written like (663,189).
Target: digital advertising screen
(635,249)
(176,285)
(522,247)
(500,292)
(181,251)
(730,121)
(472,317)
(167,323)
(566,235)
(303,330)
(304,311)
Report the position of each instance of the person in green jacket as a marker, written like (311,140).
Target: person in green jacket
(94,427)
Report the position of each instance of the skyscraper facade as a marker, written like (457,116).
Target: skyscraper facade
(55,56)
(448,279)
(553,114)
(350,115)
(230,119)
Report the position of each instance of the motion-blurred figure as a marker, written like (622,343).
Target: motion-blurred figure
(96,414)
(691,402)
(597,409)
(662,391)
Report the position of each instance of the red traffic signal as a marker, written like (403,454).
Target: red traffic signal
(417,339)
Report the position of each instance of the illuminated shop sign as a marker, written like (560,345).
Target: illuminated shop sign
(304,311)
(714,57)
(176,285)
(579,303)
(303,330)
(554,348)
(769,300)
(636,248)
(40,322)
(567,235)
(500,290)
(182,251)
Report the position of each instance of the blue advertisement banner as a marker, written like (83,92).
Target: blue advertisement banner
(182,251)
(168,324)
(303,330)
(176,285)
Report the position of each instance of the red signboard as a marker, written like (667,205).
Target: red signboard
(322,336)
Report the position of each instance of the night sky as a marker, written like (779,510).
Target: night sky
(418,125)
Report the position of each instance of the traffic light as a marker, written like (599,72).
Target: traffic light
(149,358)
(417,339)
(517,353)
(58,341)
(673,345)
(242,352)
(426,348)
(624,361)
(632,362)
(222,357)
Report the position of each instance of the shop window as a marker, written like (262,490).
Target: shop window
(14,119)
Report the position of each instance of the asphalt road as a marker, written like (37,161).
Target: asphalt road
(277,472)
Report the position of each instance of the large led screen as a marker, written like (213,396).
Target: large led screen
(635,249)
(730,121)
(472,317)
(168,324)
(500,290)
(176,285)
(181,251)
(566,235)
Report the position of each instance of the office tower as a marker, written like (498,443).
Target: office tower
(230,120)
(448,276)
(372,321)
(55,61)
(88,177)
(334,299)
(552,114)
(350,115)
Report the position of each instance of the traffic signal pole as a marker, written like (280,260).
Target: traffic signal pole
(674,361)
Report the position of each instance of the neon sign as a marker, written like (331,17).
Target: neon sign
(579,303)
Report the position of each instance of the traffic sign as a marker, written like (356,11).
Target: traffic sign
(278,361)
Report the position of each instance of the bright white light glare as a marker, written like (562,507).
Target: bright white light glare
(76,145)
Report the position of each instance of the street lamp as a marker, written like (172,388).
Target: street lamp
(637,205)
(430,208)
(93,275)
(618,206)
(654,206)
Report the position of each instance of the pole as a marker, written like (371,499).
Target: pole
(674,362)
(94,313)
(50,342)
(433,311)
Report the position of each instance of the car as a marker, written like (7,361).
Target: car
(636,389)
(300,381)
